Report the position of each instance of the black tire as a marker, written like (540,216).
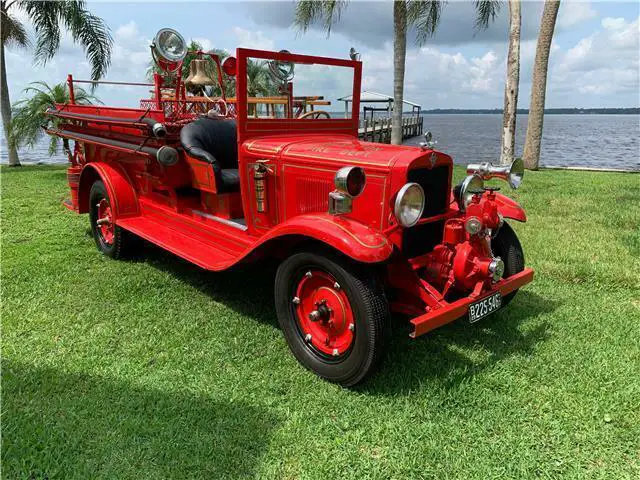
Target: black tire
(124,242)
(507,246)
(370,312)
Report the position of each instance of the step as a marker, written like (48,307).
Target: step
(204,254)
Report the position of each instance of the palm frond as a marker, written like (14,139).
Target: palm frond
(326,11)
(12,31)
(486,11)
(92,33)
(85,28)
(44,17)
(425,16)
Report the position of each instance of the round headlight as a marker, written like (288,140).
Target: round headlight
(409,204)
(350,180)
(169,45)
(470,186)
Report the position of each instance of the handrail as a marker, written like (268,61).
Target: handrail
(165,155)
(143,123)
(105,82)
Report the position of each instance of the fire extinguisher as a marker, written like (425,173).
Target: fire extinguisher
(260,171)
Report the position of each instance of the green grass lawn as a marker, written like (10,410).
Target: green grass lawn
(155,369)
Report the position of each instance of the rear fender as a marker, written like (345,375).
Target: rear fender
(509,208)
(348,236)
(124,201)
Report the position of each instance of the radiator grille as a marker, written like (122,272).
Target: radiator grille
(421,239)
(435,183)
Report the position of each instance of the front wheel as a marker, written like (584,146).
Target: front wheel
(333,314)
(507,246)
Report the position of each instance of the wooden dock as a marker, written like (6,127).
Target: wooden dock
(379,129)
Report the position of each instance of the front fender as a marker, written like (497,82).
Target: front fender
(348,236)
(509,208)
(124,201)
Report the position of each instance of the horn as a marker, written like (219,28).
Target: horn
(198,76)
(510,173)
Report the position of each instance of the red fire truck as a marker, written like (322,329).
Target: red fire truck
(221,172)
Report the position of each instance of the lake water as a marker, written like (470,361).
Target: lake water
(603,141)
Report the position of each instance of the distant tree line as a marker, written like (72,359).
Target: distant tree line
(550,111)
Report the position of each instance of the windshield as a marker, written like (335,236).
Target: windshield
(297,90)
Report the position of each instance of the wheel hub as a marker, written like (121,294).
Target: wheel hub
(105,222)
(324,314)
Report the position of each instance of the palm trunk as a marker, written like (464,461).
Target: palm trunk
(399,54)
(511,85)
(5,105)
(539,85)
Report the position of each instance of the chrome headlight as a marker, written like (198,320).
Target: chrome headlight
(471,185)
(409,204)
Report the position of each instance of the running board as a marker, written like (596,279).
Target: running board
(203,254)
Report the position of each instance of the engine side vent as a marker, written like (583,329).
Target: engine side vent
(313,195)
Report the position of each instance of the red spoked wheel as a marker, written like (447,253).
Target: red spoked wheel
(105,224)
(110,239)
(333,314)
(324,313)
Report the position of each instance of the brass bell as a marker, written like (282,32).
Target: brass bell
(198,76)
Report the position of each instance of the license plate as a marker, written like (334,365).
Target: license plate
(484,307)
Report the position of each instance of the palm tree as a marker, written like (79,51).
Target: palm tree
(539,85)
(423,15)
(29,114)
(259,82)
(47,18)
(511,85)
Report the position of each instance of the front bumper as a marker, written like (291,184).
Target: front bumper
(451,311)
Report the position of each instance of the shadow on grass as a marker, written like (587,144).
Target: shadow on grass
(246,289)
(435,357)
(457,351)
(61,425)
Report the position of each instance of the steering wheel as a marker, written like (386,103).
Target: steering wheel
(315,114)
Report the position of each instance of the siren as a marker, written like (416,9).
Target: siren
(512,174)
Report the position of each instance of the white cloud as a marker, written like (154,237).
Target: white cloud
(604,63)
(205,43)
(438,79)
(128,31)
(575,12)
(256,40)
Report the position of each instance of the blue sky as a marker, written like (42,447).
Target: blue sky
(594,62)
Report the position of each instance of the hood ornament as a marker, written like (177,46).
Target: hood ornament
(428,143)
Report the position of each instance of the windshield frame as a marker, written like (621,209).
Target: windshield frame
(251,126)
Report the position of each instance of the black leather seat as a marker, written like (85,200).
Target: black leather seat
(214,141)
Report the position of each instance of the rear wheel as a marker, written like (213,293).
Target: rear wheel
(110,239)
(507,246)
(333,314)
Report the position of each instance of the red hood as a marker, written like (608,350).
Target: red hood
(338,149)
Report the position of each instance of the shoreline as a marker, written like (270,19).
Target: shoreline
(542,167)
